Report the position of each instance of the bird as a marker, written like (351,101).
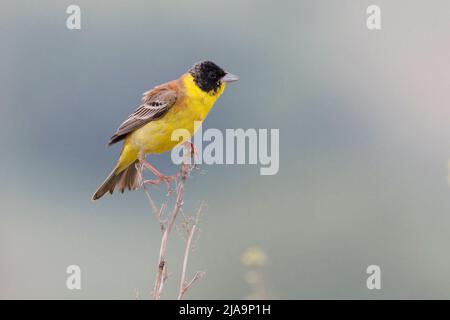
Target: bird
(167,107)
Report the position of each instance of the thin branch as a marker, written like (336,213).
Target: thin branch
(167,226)
(162,252)
(184,173)
(158,212)
(151,202)
(198,275)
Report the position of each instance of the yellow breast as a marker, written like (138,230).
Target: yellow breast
(192,105)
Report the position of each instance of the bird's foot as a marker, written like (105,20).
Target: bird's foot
(193,149)
(190,147)
(161,178)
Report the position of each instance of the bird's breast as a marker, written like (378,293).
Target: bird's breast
(191,106)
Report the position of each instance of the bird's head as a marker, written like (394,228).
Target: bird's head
(209,77)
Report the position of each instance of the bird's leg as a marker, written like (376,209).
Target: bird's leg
(193,149)
(193,152)
(152,168)
(161,177)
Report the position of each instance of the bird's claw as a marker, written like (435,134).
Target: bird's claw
(166,179)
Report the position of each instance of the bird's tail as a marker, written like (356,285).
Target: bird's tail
(129,177)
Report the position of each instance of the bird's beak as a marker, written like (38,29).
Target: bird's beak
(229,78)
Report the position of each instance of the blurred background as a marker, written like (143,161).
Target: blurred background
(364,148)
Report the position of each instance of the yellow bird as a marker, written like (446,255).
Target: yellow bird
(173,105)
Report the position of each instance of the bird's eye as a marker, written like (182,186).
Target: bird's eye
(212,75)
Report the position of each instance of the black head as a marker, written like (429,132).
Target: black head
(207,75)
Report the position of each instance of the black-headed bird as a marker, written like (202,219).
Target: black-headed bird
(173,105)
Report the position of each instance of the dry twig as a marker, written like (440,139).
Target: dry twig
(167,226)
(165,237)
(184,286)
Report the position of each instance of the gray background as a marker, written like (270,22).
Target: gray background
(365,141)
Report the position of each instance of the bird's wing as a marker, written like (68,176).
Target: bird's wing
(156,103)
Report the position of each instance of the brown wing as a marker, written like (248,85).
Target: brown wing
(156,104)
